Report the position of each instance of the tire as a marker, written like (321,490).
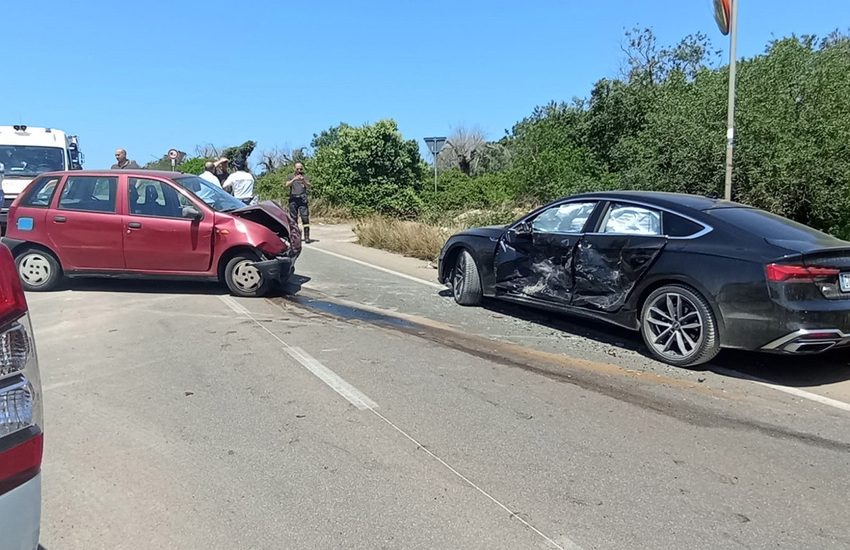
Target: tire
(678,326)
(244,280)
(466,281)
(38,270)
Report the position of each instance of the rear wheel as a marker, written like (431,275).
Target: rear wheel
(38,270)
(678,326)
(466,281)
(243,279)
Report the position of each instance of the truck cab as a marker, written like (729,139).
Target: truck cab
(26,152)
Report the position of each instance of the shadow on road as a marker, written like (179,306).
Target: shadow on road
(796,371)
(144,286)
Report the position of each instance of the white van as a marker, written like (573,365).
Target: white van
(26,152)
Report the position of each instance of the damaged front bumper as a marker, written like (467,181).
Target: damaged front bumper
(279,268)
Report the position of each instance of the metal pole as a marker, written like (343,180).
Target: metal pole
(435,170)
(730,121)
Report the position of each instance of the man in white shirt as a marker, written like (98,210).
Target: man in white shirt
(209,175)
(241,183)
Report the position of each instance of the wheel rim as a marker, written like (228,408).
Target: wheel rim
(246,277)
(459,276)
(674,325)
(34,269)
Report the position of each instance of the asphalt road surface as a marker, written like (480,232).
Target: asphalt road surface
(364,409)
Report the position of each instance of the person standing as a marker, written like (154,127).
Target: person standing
(209,175)
(240,183)
(221,170)
(298,205)
(122,162)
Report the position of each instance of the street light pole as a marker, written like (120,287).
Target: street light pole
(730,118)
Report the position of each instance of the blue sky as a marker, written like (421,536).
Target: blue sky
(153,75)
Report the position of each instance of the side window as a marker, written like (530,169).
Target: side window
(89,193)
(631,220)
(677,226)
(155,198)
(565,218)
(41,193)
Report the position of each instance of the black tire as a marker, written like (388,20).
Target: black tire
(678,326)
(465,280)
(38,270)
(242,279)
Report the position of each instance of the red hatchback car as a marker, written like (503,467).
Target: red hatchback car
(144,223)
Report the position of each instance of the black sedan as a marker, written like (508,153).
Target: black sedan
(692,274)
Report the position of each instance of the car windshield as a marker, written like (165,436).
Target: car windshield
(214,196)
(29,161)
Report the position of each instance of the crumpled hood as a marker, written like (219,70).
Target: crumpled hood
(272,215)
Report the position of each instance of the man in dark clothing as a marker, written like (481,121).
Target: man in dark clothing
(298,185)
(221,170)
(122,162)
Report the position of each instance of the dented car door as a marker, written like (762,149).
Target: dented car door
(534,259)
(611,261)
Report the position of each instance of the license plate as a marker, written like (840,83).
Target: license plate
(844,282)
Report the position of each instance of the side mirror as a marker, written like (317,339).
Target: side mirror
(522,229)
(192,213)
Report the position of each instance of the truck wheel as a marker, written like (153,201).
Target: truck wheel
(243,279)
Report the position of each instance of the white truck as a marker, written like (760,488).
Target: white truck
(26,152)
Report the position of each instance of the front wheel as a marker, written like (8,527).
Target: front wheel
(38,270)
(243,278)
(678,326)
(466,281)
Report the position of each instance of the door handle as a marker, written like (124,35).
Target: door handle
(60,219)
(134,225)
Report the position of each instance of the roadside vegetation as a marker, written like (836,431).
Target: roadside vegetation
(659,125)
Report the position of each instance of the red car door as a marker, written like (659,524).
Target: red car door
(83,226)
(165,230)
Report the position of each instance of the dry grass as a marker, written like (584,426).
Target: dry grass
(419,240)
(325,212)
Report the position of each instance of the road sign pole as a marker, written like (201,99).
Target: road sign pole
(435,171)
(730,118)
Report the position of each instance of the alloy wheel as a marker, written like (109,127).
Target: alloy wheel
(675,326)
(459,276)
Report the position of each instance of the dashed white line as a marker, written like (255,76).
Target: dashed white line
(323,373)
(359,400)
(384,269)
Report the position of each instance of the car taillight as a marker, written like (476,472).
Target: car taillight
(21,436)
(780,273)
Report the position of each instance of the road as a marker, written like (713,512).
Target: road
(364,409)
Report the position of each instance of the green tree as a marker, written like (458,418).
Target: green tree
(371,168)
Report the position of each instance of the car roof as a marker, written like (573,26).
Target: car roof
(136,172)
(666,200)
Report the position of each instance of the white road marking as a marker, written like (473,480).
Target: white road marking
(238,308)
(323,373)
(787,389)
(384,269)
(359,400)
(332,379)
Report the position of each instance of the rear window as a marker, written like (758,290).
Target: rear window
(677,226)
(89,194)
(41,193)
(767,225)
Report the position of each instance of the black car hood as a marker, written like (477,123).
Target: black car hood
(270,214)
(494,231)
